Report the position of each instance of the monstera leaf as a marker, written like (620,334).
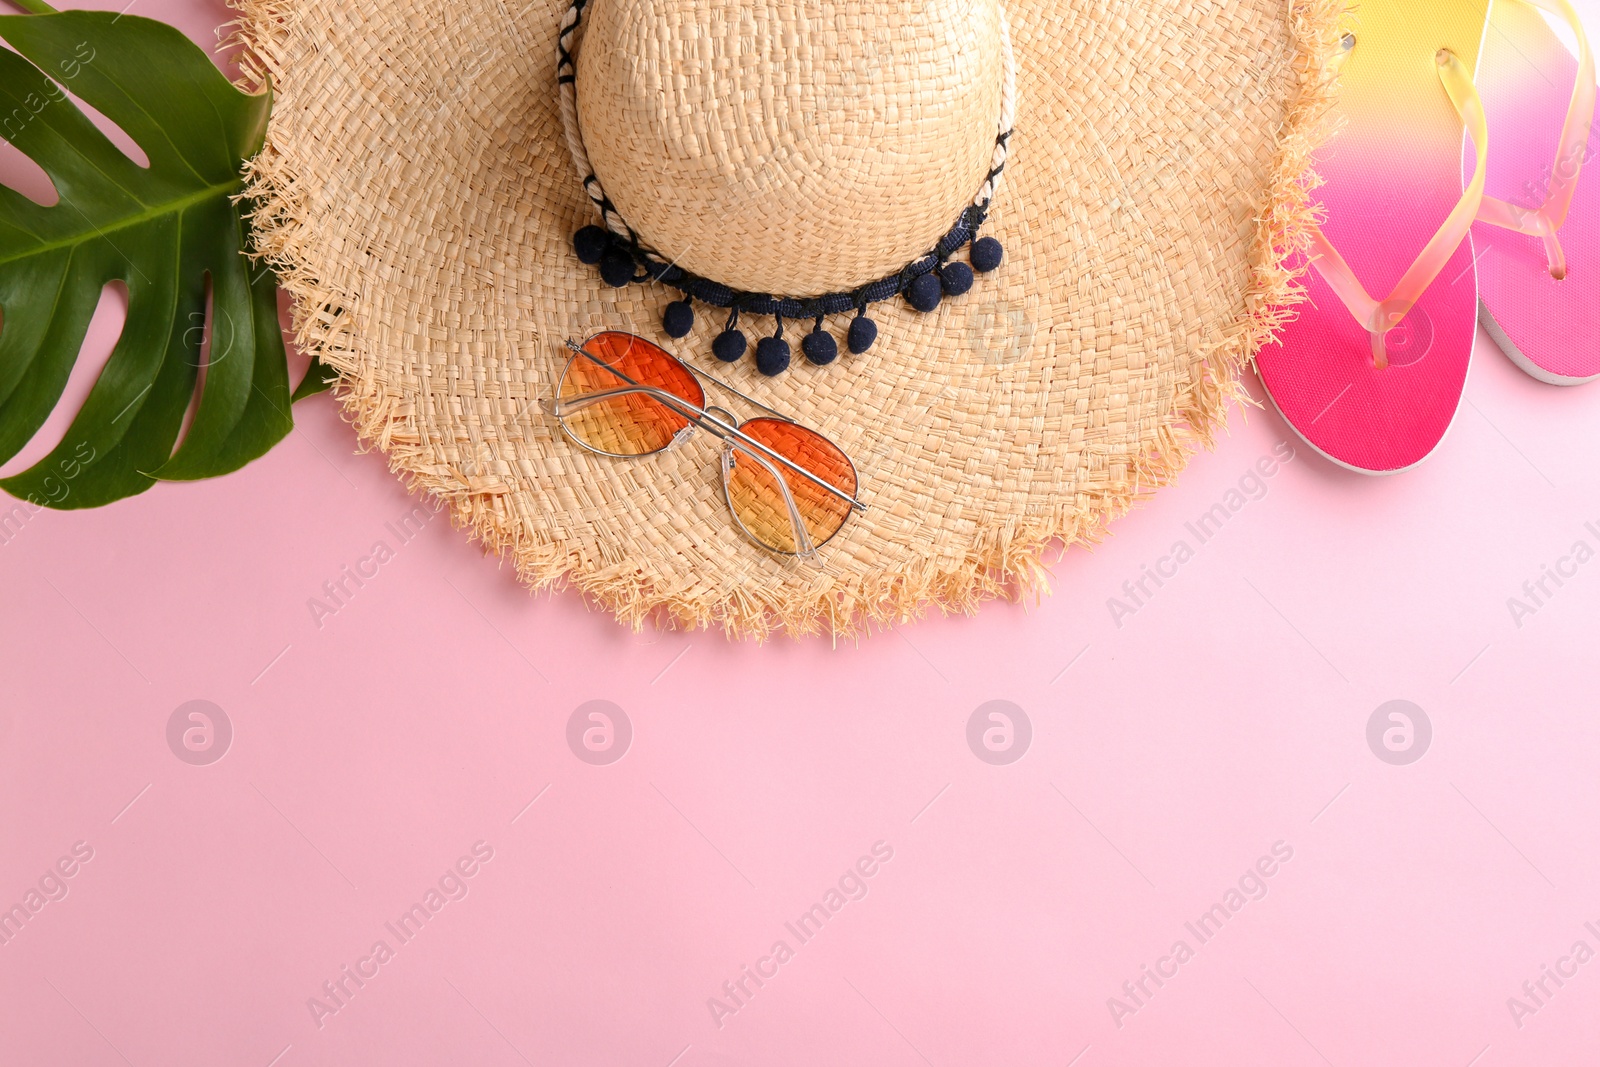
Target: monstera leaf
(163,230)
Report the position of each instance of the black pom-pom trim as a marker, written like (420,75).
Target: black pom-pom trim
(820,347)
(923,283)
(924,293)
(863,331)
(616,267)
(986,254)
(772,356)
(957,278)
(729,345)
(590,244)
(678,319)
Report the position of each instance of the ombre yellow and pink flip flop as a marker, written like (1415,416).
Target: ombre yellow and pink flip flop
(1538,235)
(1371,371)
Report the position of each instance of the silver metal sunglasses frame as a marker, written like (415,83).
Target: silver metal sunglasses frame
(705,418)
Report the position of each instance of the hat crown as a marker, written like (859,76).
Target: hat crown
(796,147)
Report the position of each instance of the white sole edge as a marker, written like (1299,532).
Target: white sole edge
(1503,342)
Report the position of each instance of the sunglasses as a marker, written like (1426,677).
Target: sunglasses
(788,488)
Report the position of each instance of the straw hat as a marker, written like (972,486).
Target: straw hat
(420,192)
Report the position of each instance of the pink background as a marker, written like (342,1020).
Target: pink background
(1169,754)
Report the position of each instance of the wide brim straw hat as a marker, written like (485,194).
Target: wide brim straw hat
(420,192)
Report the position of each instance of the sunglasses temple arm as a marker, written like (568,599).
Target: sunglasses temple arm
(676,404)
(802,536)
(725,387)
(563,408)
(763,453)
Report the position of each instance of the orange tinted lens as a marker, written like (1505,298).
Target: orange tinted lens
(633,424)
(757,500)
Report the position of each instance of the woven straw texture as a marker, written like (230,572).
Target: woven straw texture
(418,198)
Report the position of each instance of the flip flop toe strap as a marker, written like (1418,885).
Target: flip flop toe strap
(1381,316)
(1546,219)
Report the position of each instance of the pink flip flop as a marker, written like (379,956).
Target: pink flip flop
(1374,383)
(1538,235)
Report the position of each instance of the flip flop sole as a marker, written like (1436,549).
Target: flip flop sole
(1548,328)
(1391,178)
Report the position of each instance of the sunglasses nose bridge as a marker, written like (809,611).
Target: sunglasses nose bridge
(730,447)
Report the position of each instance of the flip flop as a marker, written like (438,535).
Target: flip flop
(1538,235)
(1374,383)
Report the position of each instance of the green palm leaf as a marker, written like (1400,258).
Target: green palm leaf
(163,230)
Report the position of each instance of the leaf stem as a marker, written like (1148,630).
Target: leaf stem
(34,7)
